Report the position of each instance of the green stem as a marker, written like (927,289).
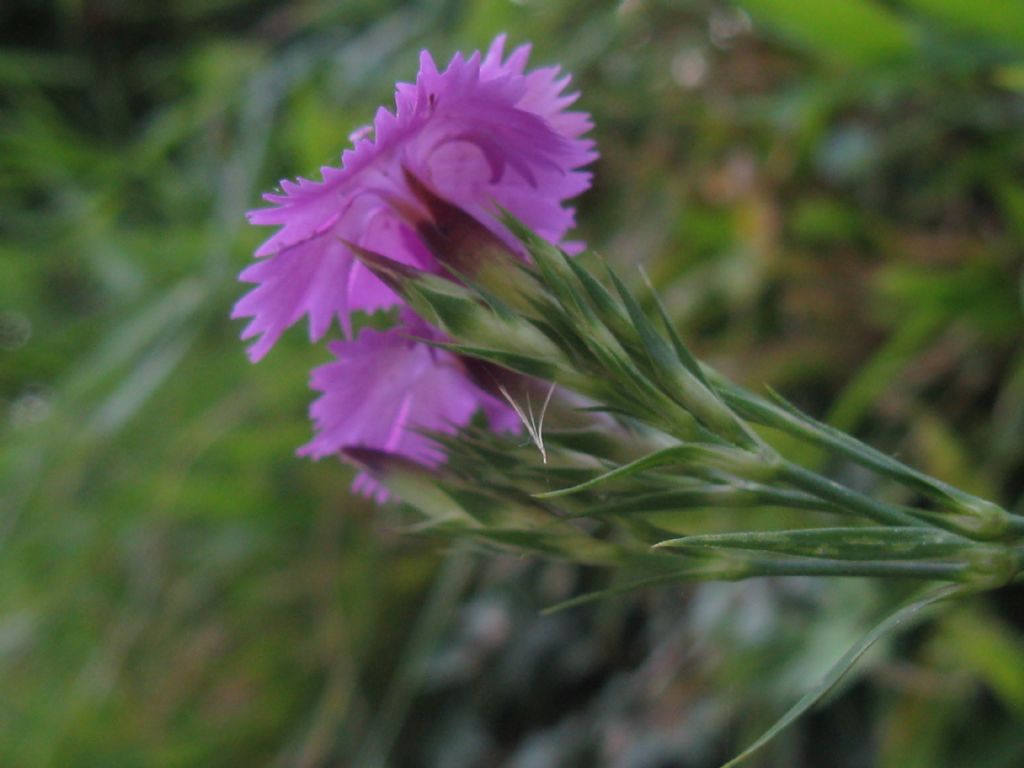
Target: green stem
(747,496)
(761,411)
(847,498)
(741,569)
(929,571)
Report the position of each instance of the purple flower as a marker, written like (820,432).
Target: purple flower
(385,388)
(480,134)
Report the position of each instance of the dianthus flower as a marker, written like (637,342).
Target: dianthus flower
(385,388)
(482,133)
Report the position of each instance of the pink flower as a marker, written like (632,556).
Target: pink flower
(481,132)
(386,388)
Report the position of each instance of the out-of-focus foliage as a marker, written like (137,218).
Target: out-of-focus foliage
(828,193)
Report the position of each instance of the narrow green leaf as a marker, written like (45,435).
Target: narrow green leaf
(786,417)
(700,496)
(550,263)
(695,456)
(703,496)
(862,543)
(978,516)
(700,570)
(557,326)
(686,388)
(659,352)
(607,309)
(901,619)
(682,352)
(524,363)
(493,302)
(592,442)
(576,549)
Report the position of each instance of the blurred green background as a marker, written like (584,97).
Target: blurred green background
(828,193)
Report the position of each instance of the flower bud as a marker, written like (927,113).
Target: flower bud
(465,246)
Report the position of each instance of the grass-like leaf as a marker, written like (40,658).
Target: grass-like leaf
(697,570)
(695,455)
(900,619)
(706,495)
(845,543)
(780,414)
